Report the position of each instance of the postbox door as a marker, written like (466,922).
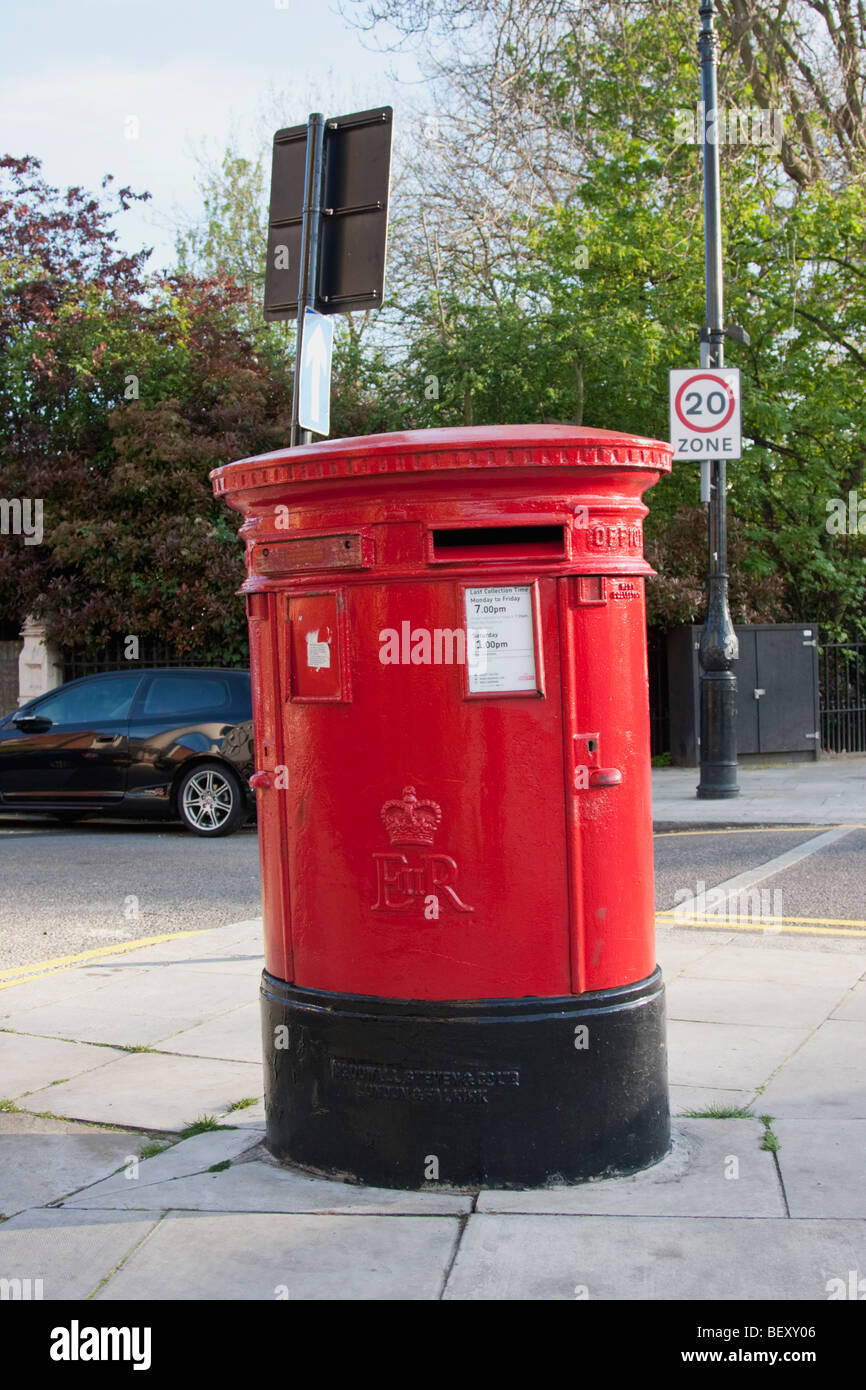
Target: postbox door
(455,833)
(271,782)
(425,826)
(610,822)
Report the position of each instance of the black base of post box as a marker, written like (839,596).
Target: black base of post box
(497,1093)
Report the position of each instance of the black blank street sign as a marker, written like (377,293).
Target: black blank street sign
(354,224)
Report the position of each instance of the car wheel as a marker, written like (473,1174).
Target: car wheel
(210,800)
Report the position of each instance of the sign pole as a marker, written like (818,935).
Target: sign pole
(718,647)
(309,266)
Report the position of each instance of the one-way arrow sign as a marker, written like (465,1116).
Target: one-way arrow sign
(314,405)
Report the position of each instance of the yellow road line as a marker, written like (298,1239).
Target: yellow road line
(20,974)
(670,914)
(776,928)
(758,830)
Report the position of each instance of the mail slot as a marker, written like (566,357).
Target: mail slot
(453,780)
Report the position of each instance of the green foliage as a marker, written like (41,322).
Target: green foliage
(120,393)
(202,1125)
(570,307)
(605,294)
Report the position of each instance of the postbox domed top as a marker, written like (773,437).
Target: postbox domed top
(469,447)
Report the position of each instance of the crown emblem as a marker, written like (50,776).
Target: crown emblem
(410,821)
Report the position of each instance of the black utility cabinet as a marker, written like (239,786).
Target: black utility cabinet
(777,693)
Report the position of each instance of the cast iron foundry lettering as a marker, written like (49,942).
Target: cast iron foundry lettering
(389,1081)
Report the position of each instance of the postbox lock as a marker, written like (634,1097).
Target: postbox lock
(264,780)
(587,772)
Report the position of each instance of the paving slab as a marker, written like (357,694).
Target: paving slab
(235,1036)
(654,1258)
(728,1055)
(825,1081)
(233,944)
(71,1252)
(674,957)
(758,1002)
(246,966)
(193,1155)
(58,988)
(778,963)
(262,1185)
(853,1005)
(715,1168)
(188,993)
(829,791)
(685,1098)
(242,961)
(151,1091)
(823,1166)
(191,1256)
(251,1117)
(28,1065)
(86,1020)
(42,1160)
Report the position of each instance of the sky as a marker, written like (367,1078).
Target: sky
(138,89)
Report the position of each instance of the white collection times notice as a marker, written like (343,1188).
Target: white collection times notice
(500,645)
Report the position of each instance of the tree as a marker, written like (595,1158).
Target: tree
(556,271)
(120,394)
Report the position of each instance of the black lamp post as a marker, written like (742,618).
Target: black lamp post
(718,649)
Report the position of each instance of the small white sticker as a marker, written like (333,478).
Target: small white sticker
(318,653)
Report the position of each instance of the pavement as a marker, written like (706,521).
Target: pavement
(826,792)
(132,1163)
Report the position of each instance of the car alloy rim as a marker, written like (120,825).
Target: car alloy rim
(207,800)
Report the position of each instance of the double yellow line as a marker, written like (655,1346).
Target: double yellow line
(842,926)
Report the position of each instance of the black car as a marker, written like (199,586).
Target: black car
(169,742)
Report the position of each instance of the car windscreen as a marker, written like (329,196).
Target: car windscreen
(91,702)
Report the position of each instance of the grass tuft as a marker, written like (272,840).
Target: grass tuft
(154,1147)
(721,1112)
(200,1126)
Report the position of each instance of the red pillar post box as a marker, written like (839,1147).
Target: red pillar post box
(448,649)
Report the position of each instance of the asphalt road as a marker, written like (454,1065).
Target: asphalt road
(75,888)
(823,893)
(67,889)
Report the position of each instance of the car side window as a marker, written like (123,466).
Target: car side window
(243,699)
(180,695)
(91,702)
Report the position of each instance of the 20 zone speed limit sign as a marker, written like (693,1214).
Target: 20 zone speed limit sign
(705,413)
